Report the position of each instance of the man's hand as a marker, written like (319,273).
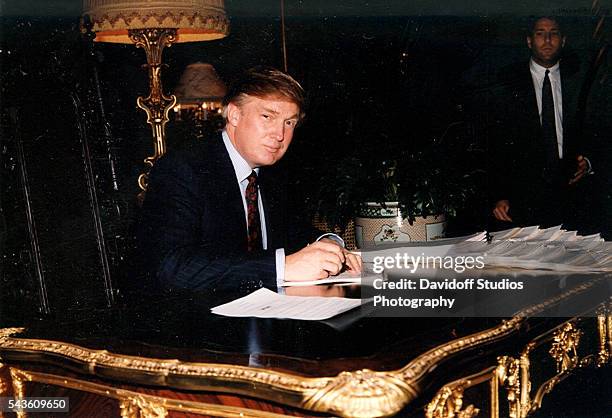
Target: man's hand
(316,261)
(501,211)
(583,169)
(352,262)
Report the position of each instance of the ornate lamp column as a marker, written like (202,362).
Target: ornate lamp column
(156,104)
(153,25)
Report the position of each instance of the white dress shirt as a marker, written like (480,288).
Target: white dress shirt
(537,75)
(243,170)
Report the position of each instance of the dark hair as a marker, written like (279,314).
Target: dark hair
(532,22)
(263,82)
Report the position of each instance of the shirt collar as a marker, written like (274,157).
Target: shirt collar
(241,167)
(540,71)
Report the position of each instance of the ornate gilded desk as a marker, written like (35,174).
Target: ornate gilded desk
(171,357)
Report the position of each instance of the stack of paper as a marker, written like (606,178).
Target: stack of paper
(528,248)
(549,249)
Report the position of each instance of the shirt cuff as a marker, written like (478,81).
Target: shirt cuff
(280,268)
(333,237)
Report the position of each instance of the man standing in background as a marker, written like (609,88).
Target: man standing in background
(536,140)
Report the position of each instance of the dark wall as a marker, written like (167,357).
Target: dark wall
(370,80)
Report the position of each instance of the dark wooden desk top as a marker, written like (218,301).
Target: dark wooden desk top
(180,329)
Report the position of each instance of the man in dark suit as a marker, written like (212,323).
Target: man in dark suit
(537,138)
(215,213)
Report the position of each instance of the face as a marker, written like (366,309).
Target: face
(261,129)
(546,42)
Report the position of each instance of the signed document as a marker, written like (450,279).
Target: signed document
(264,303)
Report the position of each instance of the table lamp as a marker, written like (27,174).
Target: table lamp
(200,91)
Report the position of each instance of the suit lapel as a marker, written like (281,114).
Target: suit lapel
(227,192)
(569,92)
(531,102)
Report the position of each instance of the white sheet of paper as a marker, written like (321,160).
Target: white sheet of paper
(479,236)
(505,234)
(525,233)
(550,234)
(264,303)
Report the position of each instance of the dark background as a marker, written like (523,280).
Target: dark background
(376,73)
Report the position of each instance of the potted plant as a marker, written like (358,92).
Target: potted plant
(395,193)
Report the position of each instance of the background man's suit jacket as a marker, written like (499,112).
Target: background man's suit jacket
(192,233)
(536,196)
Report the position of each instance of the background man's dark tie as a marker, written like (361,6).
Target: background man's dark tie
(254,226)
(549,129)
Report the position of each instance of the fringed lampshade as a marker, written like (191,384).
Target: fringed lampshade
(195,20)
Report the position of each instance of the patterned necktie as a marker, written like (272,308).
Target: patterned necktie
(254,226)
(549,129)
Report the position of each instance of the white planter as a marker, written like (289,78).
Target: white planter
(377,225)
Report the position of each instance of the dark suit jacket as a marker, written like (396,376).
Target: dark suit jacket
(518,174)
(192,232)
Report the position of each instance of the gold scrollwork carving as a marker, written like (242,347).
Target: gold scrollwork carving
(564,347)
(357,393)
(139,407)
(362,393)
(564,350)
(509,372)
(609,327)
(4,382)
(468,412)
(603,356)
(449,400)
(18,378)
(156,104)
(514,374)
(604,327)
(128,409)
(7,332)
(417,368)
(448,403)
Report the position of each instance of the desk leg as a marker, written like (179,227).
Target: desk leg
(18,380)
(4,383)
(604,325)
